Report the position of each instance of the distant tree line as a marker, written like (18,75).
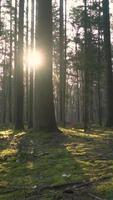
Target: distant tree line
(73,85)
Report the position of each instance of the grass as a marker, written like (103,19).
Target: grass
(29,159)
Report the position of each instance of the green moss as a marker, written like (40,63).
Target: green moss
(29,159)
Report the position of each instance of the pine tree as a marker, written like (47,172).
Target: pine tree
(30,108)
(85,68)
(62,64)
(108,62)
(44,106)
(19,89)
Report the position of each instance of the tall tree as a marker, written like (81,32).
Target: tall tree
(99,64)
(107,44)
(26,71)
(85,68)
(44,106)
(30,107)
(19,88)
(10,70)
(4,88)
(62,64)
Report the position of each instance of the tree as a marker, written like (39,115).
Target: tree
(107,46)
(30,102)
(89,56)
(99,64)
(62,64)
(85,67)
(26,71)
(19,88)
(10,70)
(56,56)
(44,107)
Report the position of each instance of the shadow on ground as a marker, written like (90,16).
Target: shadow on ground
(50,165)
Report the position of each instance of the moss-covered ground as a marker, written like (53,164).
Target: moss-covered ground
(30,160)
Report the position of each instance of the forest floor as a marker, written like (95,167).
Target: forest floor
(72,165)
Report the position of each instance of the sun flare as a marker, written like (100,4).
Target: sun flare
(35,59)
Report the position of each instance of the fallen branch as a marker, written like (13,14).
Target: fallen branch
(45,187)
(36,189)
(73,185)
(95,197)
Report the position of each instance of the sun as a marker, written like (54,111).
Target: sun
(35,59)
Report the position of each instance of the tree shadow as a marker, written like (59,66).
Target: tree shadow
(43,159)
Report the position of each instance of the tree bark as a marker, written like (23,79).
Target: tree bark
(44,107)
(19,88)
(30,108)
(62,64)
(26,71)
(85,70)
(107,45)
(10,71)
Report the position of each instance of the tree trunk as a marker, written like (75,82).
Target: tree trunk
(4,89)
(30,108)
(85,70)
(44,107)
(19,88)
(108,63)
(10,71)
(99,72)
(26,71)
(62,64)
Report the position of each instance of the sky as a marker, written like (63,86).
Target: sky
(78,2)
(71,3)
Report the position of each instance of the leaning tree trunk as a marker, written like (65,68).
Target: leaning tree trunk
(44,107)
(108,62)
(19,88)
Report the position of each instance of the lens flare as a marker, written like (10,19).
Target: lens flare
(35,59)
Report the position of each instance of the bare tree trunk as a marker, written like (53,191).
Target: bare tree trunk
(44,106)
(4,90)
(10,71)
(15,60)
(0,14)
(19,88)
(78,94)
(26,71)
(62,63)
(99,76)
(30,108)
(108,62)
(85,70)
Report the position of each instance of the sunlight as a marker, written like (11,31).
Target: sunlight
(35,59)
